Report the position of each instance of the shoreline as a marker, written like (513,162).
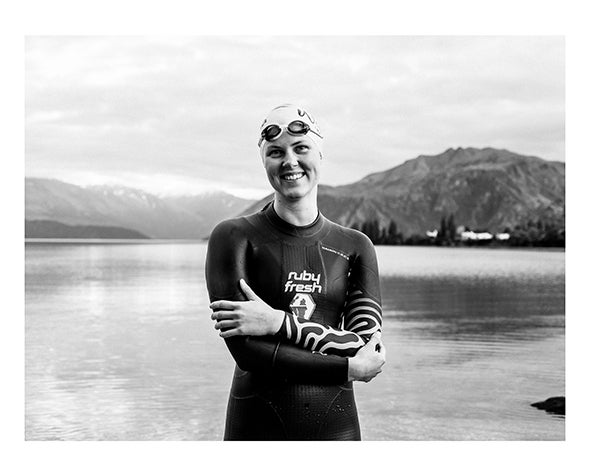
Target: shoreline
(154,241)
(106,241)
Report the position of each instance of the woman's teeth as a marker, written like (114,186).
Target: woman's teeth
(296,176)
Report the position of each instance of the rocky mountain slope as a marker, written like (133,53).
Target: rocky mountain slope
(485,189)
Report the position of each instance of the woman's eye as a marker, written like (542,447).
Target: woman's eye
(301,148)
(275,153)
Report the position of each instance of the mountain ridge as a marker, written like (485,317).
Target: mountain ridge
(483,188)
(184,217)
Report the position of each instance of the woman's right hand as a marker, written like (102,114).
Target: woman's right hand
(368,361)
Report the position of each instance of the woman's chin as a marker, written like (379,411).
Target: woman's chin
(293,192)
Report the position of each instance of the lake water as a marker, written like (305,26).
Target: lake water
(119,344)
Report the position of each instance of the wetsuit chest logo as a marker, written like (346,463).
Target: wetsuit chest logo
(302,305)
(303,284)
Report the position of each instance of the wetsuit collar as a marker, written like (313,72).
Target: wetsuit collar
(294,230)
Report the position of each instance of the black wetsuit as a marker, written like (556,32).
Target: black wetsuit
(293,386)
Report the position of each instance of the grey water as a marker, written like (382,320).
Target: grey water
(119,344)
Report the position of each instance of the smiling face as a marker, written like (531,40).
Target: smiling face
(292,166)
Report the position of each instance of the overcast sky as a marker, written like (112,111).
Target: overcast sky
(181,115)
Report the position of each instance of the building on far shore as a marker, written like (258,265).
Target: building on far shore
(469,235)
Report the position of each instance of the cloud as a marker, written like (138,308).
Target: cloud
(192,106)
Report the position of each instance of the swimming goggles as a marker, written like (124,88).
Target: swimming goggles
(295,128)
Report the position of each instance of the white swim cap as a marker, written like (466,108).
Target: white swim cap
(284,116)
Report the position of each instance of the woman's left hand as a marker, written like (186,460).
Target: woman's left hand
(248,318)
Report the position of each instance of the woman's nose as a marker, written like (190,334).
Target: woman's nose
(290,158)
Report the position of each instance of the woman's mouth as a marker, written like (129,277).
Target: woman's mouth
(292,176)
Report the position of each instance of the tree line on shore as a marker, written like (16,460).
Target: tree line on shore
(532,233)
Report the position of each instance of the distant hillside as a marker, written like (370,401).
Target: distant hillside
(486,189)
(114,206)
(54,229)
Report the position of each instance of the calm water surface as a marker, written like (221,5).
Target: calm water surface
(119,344)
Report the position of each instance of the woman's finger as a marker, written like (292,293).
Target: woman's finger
(376,336)
(227,305)
(230,333)
(224,325)
(376,340)
(251,295)
(223,315)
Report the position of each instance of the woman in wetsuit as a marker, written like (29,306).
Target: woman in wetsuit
(296,298)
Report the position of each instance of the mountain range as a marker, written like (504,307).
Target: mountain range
(180,217)
(485,189)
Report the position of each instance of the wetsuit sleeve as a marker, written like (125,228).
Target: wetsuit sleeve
(225,266)
(362,315)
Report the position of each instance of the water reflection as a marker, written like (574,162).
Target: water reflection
(119,345)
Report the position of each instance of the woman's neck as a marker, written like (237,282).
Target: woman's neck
(297,212)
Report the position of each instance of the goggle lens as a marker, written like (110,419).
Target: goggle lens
(271,132)
(298,127)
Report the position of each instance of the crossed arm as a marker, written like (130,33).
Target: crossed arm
(249,326)
(362,319)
